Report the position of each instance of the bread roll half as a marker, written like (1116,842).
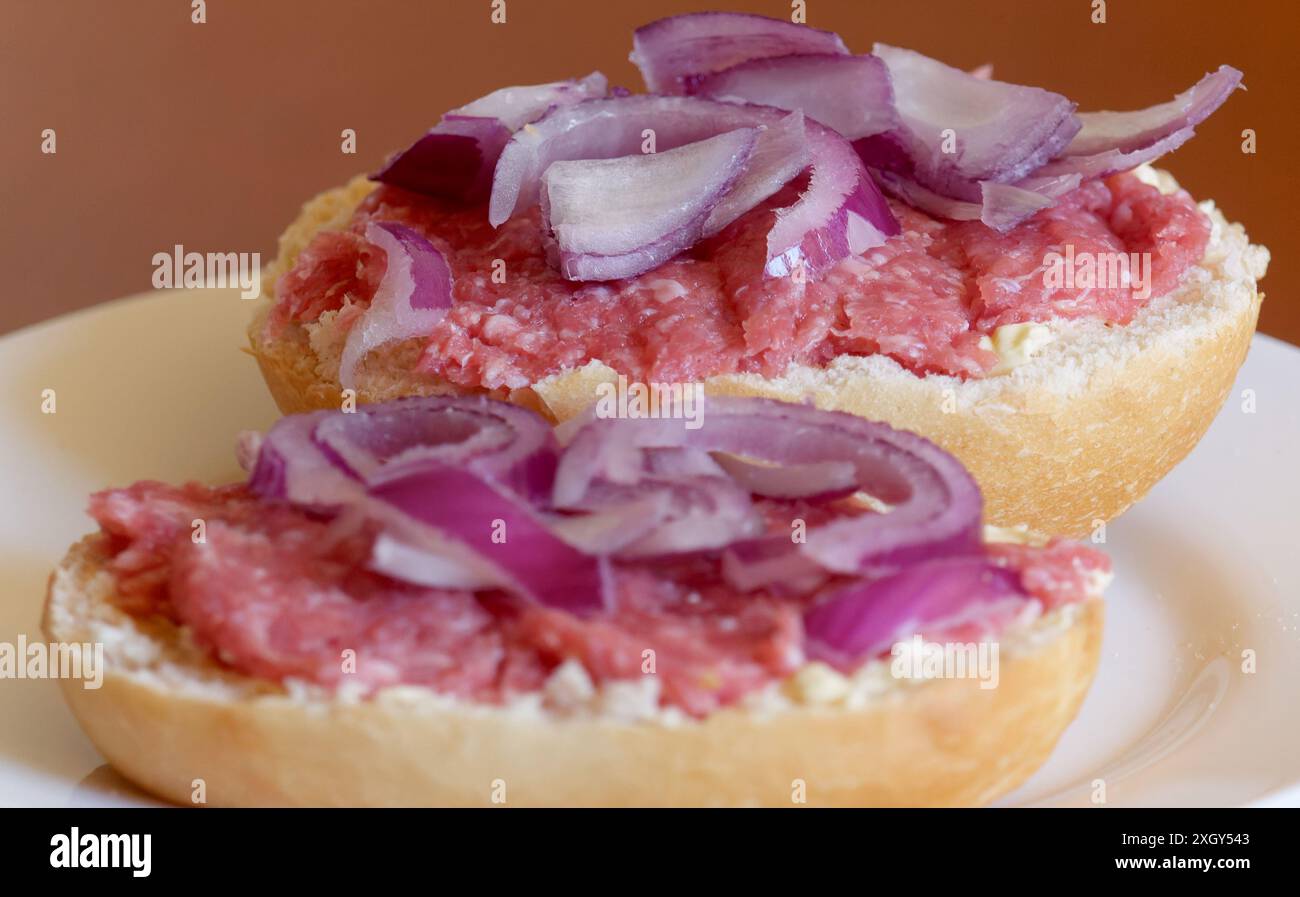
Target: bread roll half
(176,723)
(1062,440)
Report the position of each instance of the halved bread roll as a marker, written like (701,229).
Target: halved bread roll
(178,724)
(1068,437)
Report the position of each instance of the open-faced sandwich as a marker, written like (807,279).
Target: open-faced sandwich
(1026,291)
(443,601)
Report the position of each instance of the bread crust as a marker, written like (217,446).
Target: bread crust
(1064,442)
(167,716)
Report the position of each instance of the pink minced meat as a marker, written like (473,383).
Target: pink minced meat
(924,298)
(277,593)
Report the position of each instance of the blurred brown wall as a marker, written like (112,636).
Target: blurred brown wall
(212,135)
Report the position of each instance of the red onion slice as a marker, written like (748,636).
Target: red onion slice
(1001,206)
(412,297)
(515,107)
(473,485)
(1119,141)
(699,515)
(817,481)
(849,94)
(436,570)
(1003,132)
(780,153)
(852,97)
(464,477)
(609,530)
(503,443)
(612,218)
(918,197)
(506,538)
(670,51)
(1112,142)
(291,467)
(678,463)
(936,505)
(1004,206)
(1112,161)
(1130,131)
(689,504)
(866,619)
(841,212)
(326,458)
(452,161)
(608,128)
(455,159)
(768,564)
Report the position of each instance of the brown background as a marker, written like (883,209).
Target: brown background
(212,135)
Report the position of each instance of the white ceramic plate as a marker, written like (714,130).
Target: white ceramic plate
(156,387)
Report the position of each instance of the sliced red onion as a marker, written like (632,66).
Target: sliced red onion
(686,500)
(780,153)
(472,485)
(507,539)
(850,97)
(1053,186)
(609,529)
(936,505)
(436,570)
(918,197)
(325,458)
(1110,142)
(670,51)
(841,212)
(455,159)
(849,94)
(866,619)
(504,443)
(819,480)
(887,151)
(412,297)
(703,514)
(248,445)
(292,467)
(1136,130)
(515,107)
(1004,132)
(768,564)
(464,477)
(676,463)
(606,129)
(1006,205)
(1113,161)
(1001,206)
(612,218)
